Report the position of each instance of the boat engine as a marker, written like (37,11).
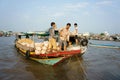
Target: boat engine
(84,42)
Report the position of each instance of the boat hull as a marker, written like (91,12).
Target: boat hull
(45,60)
(49,58)
(51,61)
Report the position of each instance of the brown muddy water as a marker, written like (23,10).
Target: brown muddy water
(95,64)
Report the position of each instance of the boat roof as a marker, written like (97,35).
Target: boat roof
(41,33)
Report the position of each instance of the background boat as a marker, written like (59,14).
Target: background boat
(104,45)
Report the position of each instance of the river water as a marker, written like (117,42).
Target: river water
(95,64)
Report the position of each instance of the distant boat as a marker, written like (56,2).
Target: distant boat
(104,45)
(1,34)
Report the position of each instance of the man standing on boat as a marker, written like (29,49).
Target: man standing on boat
(64,36)
(76,33)
(52,39)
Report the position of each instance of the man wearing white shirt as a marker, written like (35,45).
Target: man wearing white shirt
(76,33)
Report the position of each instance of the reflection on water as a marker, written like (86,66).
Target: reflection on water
(95,64)
(71,70)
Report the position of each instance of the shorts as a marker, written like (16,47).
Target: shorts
(63,42)
(52,43)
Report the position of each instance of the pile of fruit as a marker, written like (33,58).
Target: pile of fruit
(26,42)
(41,48)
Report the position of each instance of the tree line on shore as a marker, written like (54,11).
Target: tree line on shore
(103,36)
(91,36)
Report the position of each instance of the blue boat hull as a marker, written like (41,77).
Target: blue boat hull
(104,46)
(51,61)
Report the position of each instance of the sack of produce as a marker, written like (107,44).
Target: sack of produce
(46,43)
(37,52)
(41,44)
(44,48)
(23,43)
(28,45)
(58,48)
(74,48)
(43,51)
(36,44)
(57,44)
(32,45)
(38,48)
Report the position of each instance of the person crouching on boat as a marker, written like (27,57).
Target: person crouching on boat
(52,39)
(64,36)
(76,33)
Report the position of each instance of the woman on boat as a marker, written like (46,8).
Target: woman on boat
(52,39)
(64,36)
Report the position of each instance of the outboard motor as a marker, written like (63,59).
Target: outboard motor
(84,42)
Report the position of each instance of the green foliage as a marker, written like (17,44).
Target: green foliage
(102,34)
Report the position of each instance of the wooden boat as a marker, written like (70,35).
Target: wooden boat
(43,60)
(50,58)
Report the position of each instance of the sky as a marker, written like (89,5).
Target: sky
(94,16)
